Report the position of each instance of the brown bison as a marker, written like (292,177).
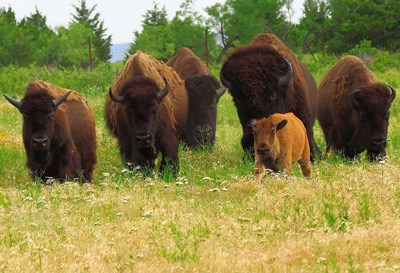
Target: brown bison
(279,141)
(203,91)
(147,111)
(353,109)
(265,78)
(58,132)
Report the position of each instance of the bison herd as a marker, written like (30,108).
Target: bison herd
(152,106)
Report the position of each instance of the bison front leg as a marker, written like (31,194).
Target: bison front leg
(247,144)
(170,160)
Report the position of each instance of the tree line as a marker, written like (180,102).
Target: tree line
(326,26)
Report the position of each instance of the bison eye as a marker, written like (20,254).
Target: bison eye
(363,115)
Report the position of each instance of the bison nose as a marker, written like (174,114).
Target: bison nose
(40,143)
(143,140)
(262,150)
(378,142)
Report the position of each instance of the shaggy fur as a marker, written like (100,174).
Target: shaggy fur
(279,141)
(138,83)
(69,128)
(354,109)
(253,72)
(202,89)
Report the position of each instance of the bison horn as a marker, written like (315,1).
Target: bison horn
(220,91)
(392,93)
(61,99)
(164,92)
(284,79)
(224,81)
(115,98)
(17,104)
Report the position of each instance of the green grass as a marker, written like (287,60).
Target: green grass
(212,218)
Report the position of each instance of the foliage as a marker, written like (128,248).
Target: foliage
(90,19)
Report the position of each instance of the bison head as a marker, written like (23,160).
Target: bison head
(371,106)
(141,97)
(264,133)
(204,93)
(38,110)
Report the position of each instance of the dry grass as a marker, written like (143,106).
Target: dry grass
(213,218)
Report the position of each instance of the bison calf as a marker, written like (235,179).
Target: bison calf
(353,109)
(58,132)
(279,141)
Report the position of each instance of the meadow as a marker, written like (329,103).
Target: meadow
(214,217)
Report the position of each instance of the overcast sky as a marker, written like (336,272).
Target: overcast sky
(121,17)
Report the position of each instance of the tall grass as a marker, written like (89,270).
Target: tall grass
(212,218)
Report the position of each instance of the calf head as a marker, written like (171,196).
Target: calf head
(264,131)
(141,97)
(204,93)
(371,106)
(38,111)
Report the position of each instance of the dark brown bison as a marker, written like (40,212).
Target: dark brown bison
(58,132)
(203,91)
(353,109)
(147,111)
(265,78)
(279,141)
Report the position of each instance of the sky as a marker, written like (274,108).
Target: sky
(121,17)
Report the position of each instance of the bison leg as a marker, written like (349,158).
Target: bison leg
(170,158)
(305,167)
(247,144)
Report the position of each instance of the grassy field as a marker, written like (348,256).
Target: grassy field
(213,218)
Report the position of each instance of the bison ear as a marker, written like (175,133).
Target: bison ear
(17,104)
(253,124)
(164,92)
(392,93)
(61,99)
(281,124)
(356,99)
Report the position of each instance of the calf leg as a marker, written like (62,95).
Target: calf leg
(259,171)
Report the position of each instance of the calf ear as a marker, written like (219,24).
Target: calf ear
(281,124)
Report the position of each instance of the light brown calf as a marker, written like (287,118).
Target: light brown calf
(279,141)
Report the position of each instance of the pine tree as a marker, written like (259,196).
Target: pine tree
(90,18)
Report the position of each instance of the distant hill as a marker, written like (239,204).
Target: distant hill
(118,52)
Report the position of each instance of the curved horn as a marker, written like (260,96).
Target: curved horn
(220,91)
(392,93)
(224,81)
(164,92)
(115,98)
(284,79)
(17,104)
(61,99)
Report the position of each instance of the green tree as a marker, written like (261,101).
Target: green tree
(90,18)
(72,45)
(375,20)
(8,37)
(39,40)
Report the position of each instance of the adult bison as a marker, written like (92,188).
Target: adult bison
(265,78)
(147,111)
(203,91)
(58,132)
(353,109)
